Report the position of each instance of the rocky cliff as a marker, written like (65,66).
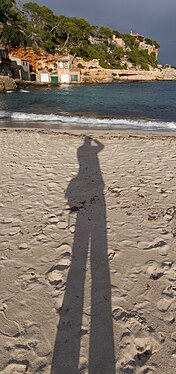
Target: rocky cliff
(38,60)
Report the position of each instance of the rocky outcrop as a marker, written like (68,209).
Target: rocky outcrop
(7,84)
(150,48)
(92,72)
(38,60)
(96,76)
(100,75)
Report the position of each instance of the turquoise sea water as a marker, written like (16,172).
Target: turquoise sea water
(135,105)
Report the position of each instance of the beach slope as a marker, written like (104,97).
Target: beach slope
(88,239)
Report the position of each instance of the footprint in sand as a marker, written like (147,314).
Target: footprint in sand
(16,368)
(30,279)
(23,246)
(157,245)
(171,273)
(138,341)
(29,355)
(53,220)
(8,327)
(155,270)
(62,225)
(164,304)
(37,340)
(148,370)
(55,275)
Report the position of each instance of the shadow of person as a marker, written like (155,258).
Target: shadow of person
(85,194)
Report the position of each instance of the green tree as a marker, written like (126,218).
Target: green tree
(37,26)
(118,52)
(105,32)
(41,21)
(143,58)
(13,30)
(7,10)
(130,40)
(152,42)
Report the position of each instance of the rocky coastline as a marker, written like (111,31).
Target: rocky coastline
(92,72)
(98,75)
(101,76)
(109,76)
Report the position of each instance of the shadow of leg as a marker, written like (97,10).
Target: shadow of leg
(67,345)
(101,356)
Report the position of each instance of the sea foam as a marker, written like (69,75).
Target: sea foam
(88,121)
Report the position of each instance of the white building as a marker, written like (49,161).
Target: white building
(66,73)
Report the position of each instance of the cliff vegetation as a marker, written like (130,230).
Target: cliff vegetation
(32,25)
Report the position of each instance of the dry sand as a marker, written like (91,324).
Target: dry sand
(87,253)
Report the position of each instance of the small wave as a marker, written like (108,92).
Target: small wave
(9,91)
(4,114)
(89,121)
(21,90)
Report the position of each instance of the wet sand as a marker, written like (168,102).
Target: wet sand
(88,244)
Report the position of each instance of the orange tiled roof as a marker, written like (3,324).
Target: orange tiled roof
(141,36)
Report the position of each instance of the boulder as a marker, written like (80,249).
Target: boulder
(7,83)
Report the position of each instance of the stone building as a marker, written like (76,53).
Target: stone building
(119,42)
(5,62)
(20,68)
(138,36)
(66,72)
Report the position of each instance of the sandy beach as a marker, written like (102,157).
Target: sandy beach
(88,253)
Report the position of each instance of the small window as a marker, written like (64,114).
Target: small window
(66,65)
(74,77)
(60,64)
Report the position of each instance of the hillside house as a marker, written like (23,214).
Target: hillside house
(94,40)
(119,42)
(5,62)
(66,72)
(44,76)
(20,68)
(75,75)
(138,36)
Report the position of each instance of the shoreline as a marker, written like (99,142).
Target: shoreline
(37,84)
(80,130)
(16,84)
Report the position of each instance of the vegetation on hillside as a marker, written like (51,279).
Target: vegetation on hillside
(38,27)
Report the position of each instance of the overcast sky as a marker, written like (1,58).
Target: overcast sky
(155,19)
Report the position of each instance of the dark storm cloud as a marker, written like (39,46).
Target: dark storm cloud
(152,18)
